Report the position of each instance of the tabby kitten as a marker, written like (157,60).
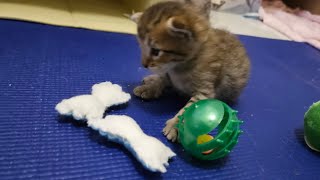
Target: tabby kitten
(182,50)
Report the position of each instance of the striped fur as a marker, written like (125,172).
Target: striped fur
(182,50)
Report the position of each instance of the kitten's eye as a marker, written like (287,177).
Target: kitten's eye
(155,52)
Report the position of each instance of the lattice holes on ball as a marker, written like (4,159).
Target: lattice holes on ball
(209,129)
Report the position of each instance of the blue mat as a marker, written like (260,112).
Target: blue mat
(41,64)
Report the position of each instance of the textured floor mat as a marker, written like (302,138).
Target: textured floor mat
(40,65)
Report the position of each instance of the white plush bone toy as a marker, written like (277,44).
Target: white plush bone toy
(93,106)
(151,152)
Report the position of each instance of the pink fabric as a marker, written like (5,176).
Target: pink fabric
(300,26)
(308,15)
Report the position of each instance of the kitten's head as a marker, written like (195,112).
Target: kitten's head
(171,33)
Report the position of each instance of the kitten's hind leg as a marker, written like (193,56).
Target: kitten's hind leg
(152,87)
(170,131)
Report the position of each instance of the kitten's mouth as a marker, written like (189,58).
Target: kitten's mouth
(155,69)
(159,69)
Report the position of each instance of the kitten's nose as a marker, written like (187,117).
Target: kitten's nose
(145,65)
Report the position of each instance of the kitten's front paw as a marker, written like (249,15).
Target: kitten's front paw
(170,131)
(147,91)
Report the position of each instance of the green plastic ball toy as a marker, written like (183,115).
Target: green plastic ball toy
(199,120)
(312,127)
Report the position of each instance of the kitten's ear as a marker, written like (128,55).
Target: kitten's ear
(134,16)
(178,26)
(204,6)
